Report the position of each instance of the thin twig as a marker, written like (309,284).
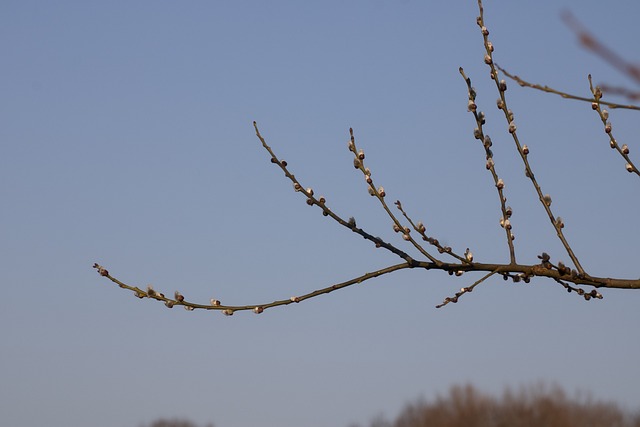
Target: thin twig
(501,86)
(490,165)
(321,203)
(380,194)
(604,117)
(565,95)
(600,49)
(454,299)
(179,299)
(421,229)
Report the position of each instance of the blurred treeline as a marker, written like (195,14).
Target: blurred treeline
(464,406)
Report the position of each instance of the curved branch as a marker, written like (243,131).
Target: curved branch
(515,272)
(215,304)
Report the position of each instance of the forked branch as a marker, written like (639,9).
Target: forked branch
(430,253)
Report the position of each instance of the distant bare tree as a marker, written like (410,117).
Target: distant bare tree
(162,422)
(572,276)
(529,407)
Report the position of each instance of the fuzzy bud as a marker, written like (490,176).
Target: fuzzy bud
(547,199)
(607,127)
(502,85)
(179,296)
(525,149)
(381,192)
(101,270)
(258,310)
(629,167)
(512,127)
(598,93)
(215,302)
(361,154)
(625,149)
(468,255)
(500,184)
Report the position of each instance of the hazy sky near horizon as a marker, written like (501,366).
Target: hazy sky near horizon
(127,140)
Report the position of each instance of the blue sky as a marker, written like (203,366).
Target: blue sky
(127,140)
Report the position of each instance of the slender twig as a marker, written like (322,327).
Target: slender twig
(422,230)
(501,85)
(215,304)
(465,290)
(586,295)
(321,203)
(565,95)
(380,194)
(600,49)
(604,117)
(479,134)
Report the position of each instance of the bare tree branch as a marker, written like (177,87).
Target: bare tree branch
(602,50)
(604,117)
(415,233)
(501,85)
(479,134)
(545,88)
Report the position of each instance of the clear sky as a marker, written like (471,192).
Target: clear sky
(127,140)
